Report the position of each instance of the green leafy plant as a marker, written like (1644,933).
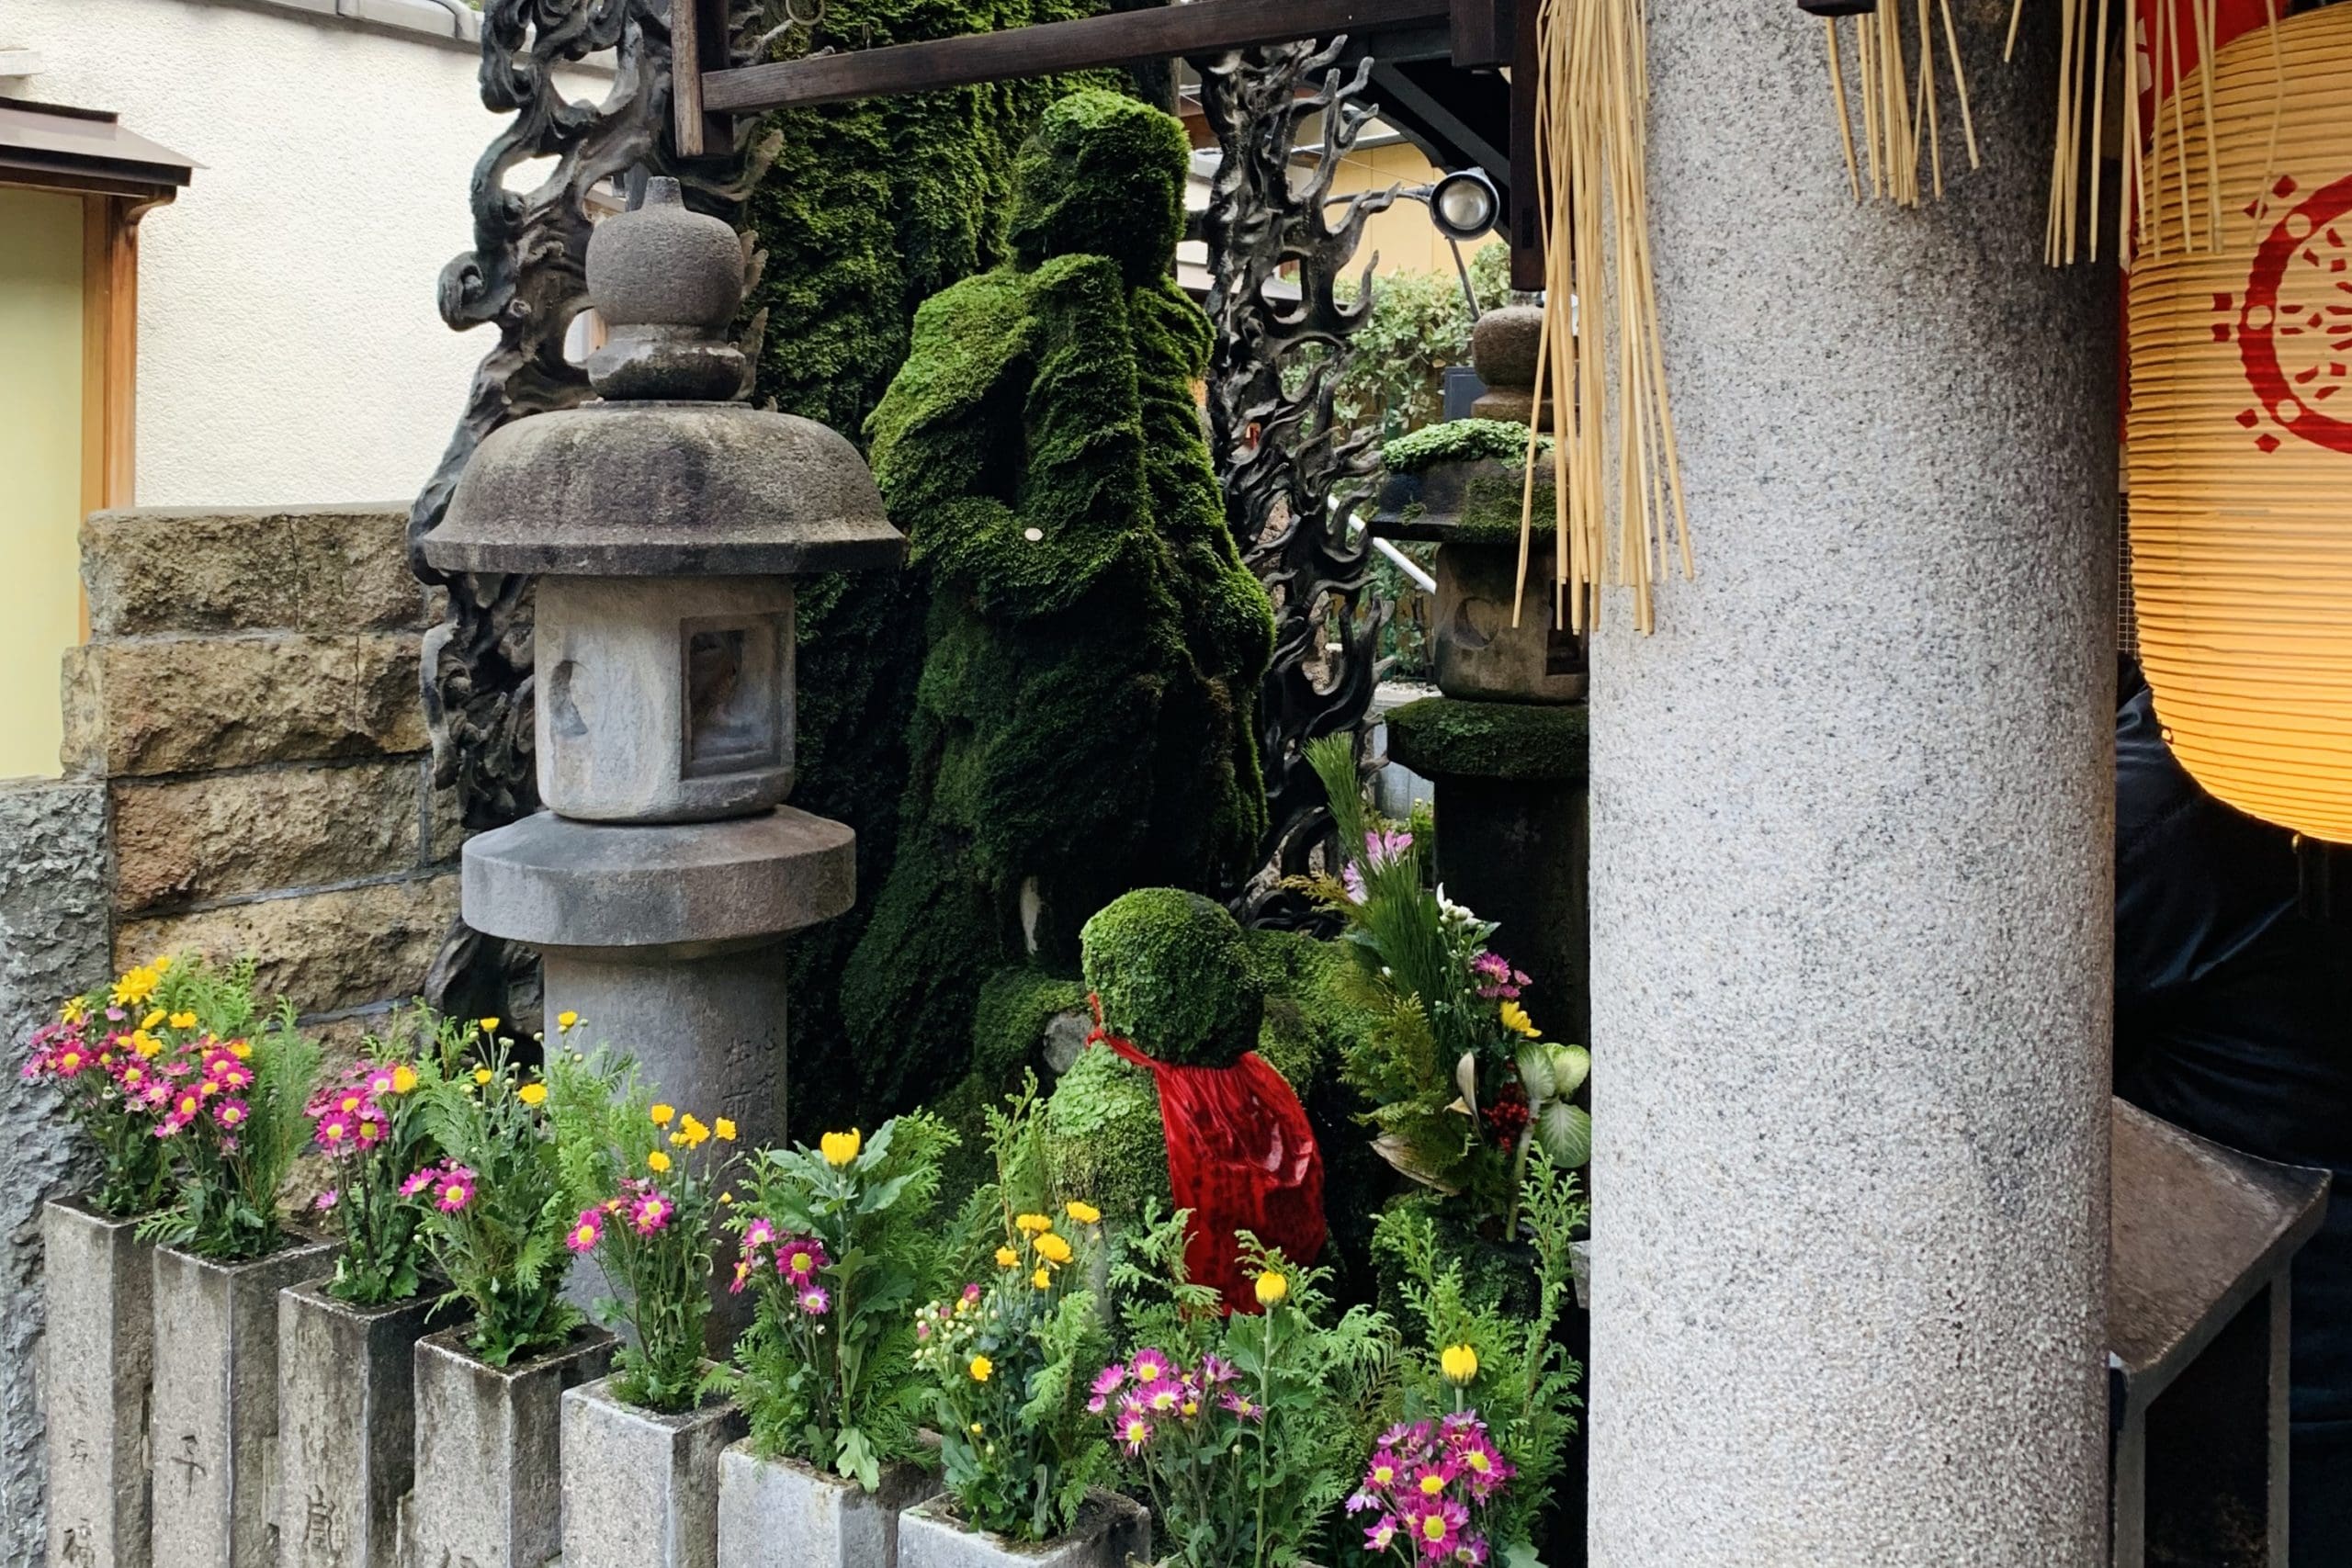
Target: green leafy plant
(1005,1361)
(495,1208)
(1419,326)
(1244,1430)
(235,1081)
(837,1244)
(371,1125)
(1477,1357)
(649,1178)
(1461,1084)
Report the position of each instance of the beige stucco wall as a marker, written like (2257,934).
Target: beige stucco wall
(289,352)
(41,454)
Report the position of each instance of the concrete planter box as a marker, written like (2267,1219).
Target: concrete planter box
(784,1514)
(213,1424)
(347,1422)
(1112,1533)
(487,1483)
(641,1489)
(99,1349)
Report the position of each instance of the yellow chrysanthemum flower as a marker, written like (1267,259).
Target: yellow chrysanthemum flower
(724,1131)
(74,1011)
(693,1132)
(160,962)
(1085,1214)
(1033,1225)
(183,1020)
(1043,1278)
(657,1161)
(240,1049)
(664,1114)
(146,1044)
(1053,1248)
(565,1019)
(840,1148)
(1271,1288)
(980,1368)
(1459,1363)
(152,1019)
(532,1094)
(1007,1258)
(404,1078)
(488,1025)
(1515,1018)
(483,1074)
(135,987)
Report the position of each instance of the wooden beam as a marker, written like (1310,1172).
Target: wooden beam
(1485,33)
(1526,195)
(697,32)
(1121,39)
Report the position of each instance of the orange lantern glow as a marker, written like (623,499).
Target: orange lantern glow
(2241,422)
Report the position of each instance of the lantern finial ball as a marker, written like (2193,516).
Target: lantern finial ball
(668,282)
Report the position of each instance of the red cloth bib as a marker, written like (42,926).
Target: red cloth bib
(1242,1156)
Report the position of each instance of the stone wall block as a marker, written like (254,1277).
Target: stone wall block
(176,704)
(326,951)
(196,840)
(346,1422)
(98,1354)
(213,1420)
(784,1514)
(1111,1532)
(325,568)
(640,1490)
(488,1443)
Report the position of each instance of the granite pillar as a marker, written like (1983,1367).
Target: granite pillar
(1851,851)
(99,1354)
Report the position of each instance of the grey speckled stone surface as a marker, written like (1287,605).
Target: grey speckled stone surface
(784,1514)
(212,1423)
(346,1415)
(55,934)
(1111,1532)
(640,1490)
(488,1476)
(1851,827)
(97,1356)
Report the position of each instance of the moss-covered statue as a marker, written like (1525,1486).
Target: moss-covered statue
(1171,1101)
(1084,724)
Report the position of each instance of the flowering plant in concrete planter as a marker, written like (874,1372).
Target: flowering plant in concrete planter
(1007,1361)
(1475,1357)
(839,1243)
(1462,1082)
(494,1207)
(648,1177)
(232,1080)
(1243,1428)
(370,1125)
(97,1053)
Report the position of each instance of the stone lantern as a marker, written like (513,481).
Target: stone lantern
(665,523)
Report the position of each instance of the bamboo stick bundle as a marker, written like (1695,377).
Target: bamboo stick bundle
(1901,89)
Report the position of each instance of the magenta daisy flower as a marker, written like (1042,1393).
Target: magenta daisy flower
(418,1182)
(1436,1529)
(231,1113)
(453,1188)
(586,1230)
(333,1132)
(758,1233)
(1243,1408)
(1135,1432)
(367,1128)
(814,1300)
(650,1213)
(1150,1366)
(799,1258)
(1382,1534)
(1216,1372)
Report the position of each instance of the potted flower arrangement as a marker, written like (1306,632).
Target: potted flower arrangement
(345,1376)
(98,1342)
(1007,1361)
(494,1209)
(1242,1428)
(1483,1412)
(836,1245)
(641,1448)
(226,1082)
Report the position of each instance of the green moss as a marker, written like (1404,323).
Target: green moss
(870,208)
(1103,176)
(1455,441)
(1175,977)
(1084,720)
(1491,511)
(1445,737)
(1104,1140)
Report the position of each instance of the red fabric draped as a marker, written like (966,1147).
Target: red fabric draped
(1242,1156)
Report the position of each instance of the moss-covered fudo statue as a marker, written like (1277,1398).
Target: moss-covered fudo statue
(1084,724)
(1172,1102)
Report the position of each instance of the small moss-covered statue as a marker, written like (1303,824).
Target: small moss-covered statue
(1084,724)
(1172,1100)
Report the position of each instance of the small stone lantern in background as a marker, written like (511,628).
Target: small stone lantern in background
(665,523)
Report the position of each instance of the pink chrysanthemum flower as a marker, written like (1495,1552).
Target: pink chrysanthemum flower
(799,1258)
(972,1293)
(1107,1381)
(326,1201)
(758,1233)
(1436,1529)
(585,1230)
(1243,1408)
(743,1276)
(1216,1372)
(1383,1533)
(381,1081)
(1134,1433)
(1353,880)
(333,1132)
(1386,847)
(453,1188)
(231,1112)
(650,1213)
(367,1128)
(1150,1366)
(1162,1397)
(417,1182)
(814,1300)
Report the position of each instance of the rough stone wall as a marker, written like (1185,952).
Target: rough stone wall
(249,695)
(247,771)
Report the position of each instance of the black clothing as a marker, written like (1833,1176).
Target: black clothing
(2233,1019)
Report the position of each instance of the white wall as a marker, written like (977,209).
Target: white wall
(289,347)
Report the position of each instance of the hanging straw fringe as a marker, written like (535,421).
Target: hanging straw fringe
(1899,84)
(1600,317)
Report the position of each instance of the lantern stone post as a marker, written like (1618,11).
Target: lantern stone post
(1852,820)
(664,523)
